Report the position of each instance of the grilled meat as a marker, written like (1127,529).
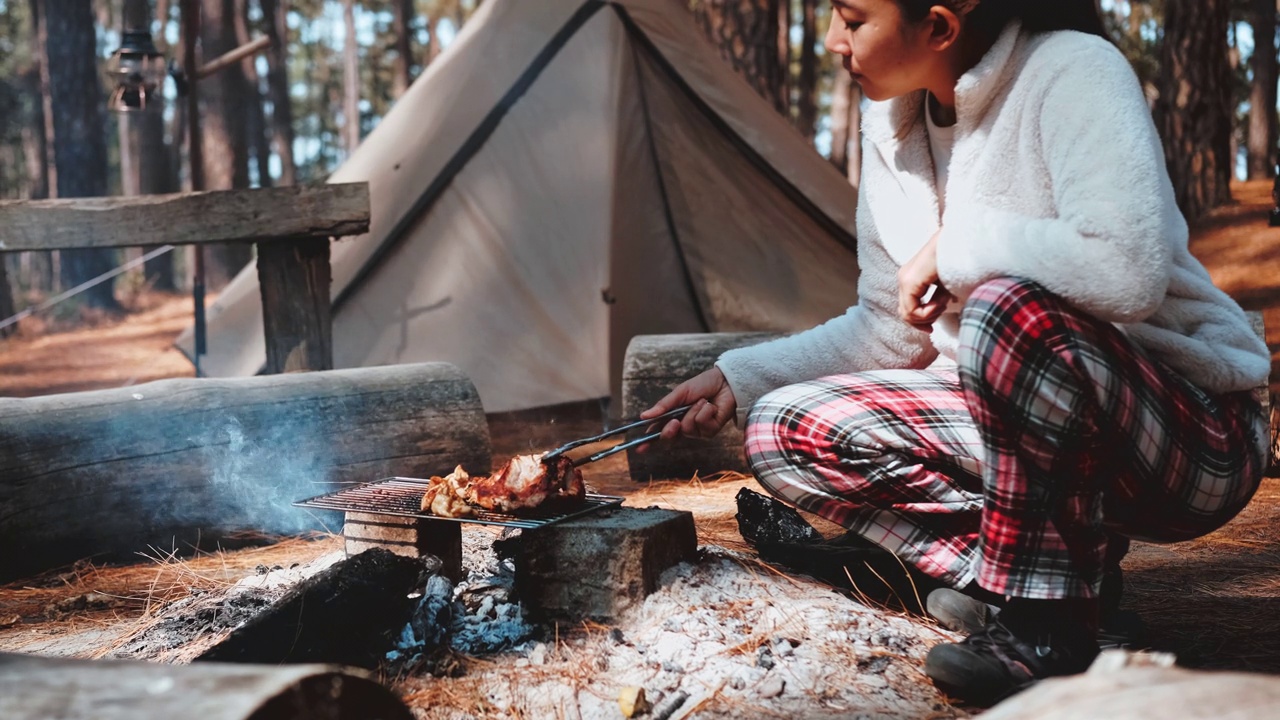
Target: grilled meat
(525,483)
(445,495)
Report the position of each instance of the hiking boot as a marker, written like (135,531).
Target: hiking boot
(994,663)
(958,612)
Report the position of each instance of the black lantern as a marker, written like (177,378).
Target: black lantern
(137,70)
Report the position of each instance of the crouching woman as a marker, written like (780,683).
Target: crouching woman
(1037,368)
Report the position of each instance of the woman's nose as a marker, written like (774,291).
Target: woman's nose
(835,41)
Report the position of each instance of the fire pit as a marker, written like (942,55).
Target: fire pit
(387,513)
(400,496)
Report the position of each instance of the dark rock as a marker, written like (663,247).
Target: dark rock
(763,520)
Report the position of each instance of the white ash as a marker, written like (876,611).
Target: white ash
(738,639)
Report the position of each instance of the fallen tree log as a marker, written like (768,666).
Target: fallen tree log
(177,461)
(654,364)
(38,687)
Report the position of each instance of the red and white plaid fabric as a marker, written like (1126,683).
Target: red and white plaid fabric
(1055,430)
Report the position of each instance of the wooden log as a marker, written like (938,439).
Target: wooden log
(293,277)
(40,687)
(1144,692)
(408,536)
(167,463)
(654,364)
(349,613)
(257,215)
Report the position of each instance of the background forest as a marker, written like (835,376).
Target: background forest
(293,112)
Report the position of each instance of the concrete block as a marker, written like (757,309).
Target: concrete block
(599,565)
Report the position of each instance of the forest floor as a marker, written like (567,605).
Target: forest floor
(1207,600)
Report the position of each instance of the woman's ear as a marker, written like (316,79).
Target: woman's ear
(944,27)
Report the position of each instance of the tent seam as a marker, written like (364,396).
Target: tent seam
(662,190)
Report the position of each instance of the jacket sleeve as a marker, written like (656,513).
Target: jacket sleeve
(868,336)
(1109,249)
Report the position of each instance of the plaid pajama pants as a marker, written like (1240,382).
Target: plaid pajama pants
(1053,431)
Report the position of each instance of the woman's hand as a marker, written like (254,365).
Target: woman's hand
(916,305)
(713,406)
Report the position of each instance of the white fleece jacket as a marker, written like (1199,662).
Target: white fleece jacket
(1057,176)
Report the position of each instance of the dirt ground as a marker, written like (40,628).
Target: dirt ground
(1208,600)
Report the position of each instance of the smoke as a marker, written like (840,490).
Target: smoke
(255,477)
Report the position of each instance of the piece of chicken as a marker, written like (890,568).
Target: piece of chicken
(525,483)
(445,496)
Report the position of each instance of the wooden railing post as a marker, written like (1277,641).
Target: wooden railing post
(294,278)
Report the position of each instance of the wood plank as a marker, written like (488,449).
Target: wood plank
(107,473)
(294,278)
(43,687)
(256,215)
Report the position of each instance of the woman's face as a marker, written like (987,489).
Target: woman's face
(884,52)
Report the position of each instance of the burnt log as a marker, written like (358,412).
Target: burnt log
(169,463)
(348,614)
(654,364)
(39,687)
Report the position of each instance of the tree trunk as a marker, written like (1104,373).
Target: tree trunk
(1193,111)
(255,120)
(41,34)
(274,22)
(402,73)
(225,98)
(350,79)
(7,308)
(747,32)
(807,87)
(1262,95)
(79,139)
(35,150)
(145,170)
(433,42)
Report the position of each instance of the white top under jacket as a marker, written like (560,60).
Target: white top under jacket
(1057,176)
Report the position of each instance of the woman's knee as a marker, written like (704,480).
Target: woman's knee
(996,317)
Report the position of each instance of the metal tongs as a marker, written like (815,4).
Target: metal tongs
(678,412)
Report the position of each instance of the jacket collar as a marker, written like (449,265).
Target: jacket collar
(891,121)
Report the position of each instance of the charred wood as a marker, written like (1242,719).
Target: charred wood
(348,614)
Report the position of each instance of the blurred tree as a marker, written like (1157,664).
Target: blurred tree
(807,84)
(79,137)
(350,78)
(747,33)
(1262,134)
(402,30)
(275,24)
(1194,109)
(225,99)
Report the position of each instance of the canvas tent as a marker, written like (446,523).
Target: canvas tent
(568,174)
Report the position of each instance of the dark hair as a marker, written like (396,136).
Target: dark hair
(990,16)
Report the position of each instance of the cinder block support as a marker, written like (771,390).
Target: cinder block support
(600,565)
(407,536)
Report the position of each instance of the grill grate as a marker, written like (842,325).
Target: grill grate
(403,497)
